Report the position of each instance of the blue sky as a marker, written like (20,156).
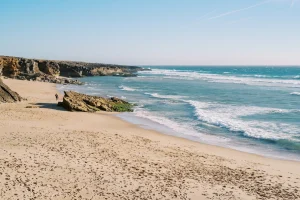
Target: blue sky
(153,32)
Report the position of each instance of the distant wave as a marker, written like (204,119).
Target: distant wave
(92,84)
(295,93)
(226,116)
(249,80)
(297,77)
(125,88)
(156,95)
(261,76)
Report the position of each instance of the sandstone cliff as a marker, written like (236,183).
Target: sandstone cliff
(48,70)
(7,95)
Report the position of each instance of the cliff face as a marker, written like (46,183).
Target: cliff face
(23,68)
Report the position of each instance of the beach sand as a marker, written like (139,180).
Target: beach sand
(49,153)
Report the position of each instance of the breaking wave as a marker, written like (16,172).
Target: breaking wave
(125,88)
(228,117)
(156,95)
(295,93)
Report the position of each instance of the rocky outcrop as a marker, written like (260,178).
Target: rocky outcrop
(7,95)
(74,101)
(9,67)
(27,69)
(49,67)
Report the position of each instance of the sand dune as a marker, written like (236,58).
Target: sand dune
(49,153)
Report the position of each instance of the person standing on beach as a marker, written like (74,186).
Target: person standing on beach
(56,96)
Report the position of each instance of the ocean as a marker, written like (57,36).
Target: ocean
(251,109)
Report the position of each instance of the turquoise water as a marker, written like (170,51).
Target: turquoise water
(253,109)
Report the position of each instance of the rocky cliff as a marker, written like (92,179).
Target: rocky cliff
(49,70)
(7,95)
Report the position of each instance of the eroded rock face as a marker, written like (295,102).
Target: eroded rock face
(49,67)
(74,101)
(28,66)
(10,67)
(7,95)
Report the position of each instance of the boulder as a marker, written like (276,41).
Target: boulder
(7,95)
(74,101)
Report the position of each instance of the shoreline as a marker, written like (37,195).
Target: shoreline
(195,170)
(173,133)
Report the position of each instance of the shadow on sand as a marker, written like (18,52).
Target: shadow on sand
(52,106)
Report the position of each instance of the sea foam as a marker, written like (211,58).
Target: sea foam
(182,129)
(226,116)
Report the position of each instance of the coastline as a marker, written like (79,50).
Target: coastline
(211,141)
(135,162)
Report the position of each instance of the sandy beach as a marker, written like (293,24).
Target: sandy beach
(49,153)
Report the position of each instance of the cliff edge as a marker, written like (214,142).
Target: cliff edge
(50,70)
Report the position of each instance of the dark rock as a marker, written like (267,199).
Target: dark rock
(7,95)
(74,101)
(29,66)
(21,77)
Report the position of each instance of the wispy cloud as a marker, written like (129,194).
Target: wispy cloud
(239,10)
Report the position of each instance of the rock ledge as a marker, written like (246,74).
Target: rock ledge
(74,101)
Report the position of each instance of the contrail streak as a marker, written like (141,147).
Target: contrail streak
(239,10)
(293,2)
(205,15)
(240,20)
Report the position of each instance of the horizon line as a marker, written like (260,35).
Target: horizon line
(176,65)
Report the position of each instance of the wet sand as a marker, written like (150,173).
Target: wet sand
(49,153)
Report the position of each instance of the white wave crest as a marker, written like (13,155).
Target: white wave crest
(295,93)
(229,117)
(258,80)
(125,88)
(156,95)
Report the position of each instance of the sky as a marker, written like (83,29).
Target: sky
(153,32)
